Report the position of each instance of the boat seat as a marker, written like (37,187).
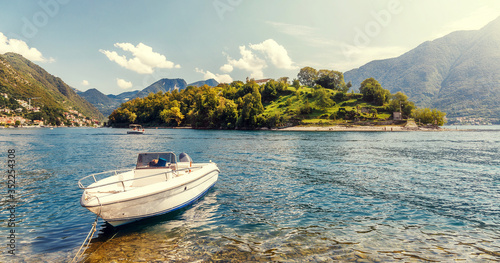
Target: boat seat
(162,162)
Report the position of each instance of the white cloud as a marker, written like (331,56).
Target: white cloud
(144,60)
(85,83)
(20,47)
(276,53)
(123,83)
(255,58)
(226,68)
(221,78)
(248,62)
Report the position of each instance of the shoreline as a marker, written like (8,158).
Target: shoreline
(332,128)
(362,129)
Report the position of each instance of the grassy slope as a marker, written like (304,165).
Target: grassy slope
(320,116)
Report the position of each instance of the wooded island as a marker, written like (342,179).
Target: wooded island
(315,98)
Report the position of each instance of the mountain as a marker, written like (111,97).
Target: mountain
(23,79)
(208,82)
(167,85)
(164,85)
(458,73)
(107,103)
(103,103)
(124,96)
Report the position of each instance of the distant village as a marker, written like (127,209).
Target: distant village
(13,118)
(471,121)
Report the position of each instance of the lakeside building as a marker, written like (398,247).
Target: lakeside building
(259,81)
(12,120)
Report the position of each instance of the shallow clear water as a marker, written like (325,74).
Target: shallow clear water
(281,196)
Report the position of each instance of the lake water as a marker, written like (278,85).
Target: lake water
(281,196)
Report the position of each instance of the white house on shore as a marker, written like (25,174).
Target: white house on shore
(259,81)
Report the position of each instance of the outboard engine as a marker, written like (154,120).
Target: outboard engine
(184,157)
(185,161)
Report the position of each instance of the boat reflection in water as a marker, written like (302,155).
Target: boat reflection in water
(175,236)
(158,185)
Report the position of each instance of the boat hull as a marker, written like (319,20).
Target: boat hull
(160,198)
(135,132)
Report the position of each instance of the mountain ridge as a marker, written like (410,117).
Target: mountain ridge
(107,103)
(164,85)
(456,73)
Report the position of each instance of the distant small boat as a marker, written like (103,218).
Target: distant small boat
(159,184)
(135,129)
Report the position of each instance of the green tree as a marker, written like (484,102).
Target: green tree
(323,99)
(331,79)
(227,113)
(348,86)
(373,92)
(283,80)
(122,115)
(428,116)
(399,103)
(250,107)
(306,108)
(307,76)
(269,91)
(206,102)
(229,91)
(172,116)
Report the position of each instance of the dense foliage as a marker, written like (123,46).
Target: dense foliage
(226,106)
(428,116)
(329,79)
(241,105)
(373,92)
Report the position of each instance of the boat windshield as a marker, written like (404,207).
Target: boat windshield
(155,160)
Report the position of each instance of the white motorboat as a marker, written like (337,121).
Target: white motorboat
(159,184)
(135,129)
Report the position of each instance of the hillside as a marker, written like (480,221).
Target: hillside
(103,103)
(23,79)
(458,73)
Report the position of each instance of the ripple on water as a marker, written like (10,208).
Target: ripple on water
(281,196)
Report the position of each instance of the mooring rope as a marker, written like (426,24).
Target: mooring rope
(89,236)
(87,240)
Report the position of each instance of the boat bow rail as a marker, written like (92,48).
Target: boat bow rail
(98,177)
(118,177)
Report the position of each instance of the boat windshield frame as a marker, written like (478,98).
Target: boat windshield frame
(163,160)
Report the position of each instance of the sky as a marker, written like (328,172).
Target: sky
(119,46)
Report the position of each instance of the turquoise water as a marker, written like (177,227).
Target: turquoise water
(281,196)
